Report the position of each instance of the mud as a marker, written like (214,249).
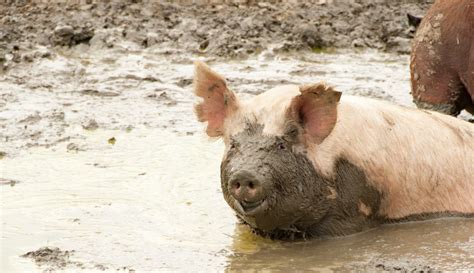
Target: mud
(53,258)
(101,156)
(32,28)
(287,212)
(130,205)
(59,100)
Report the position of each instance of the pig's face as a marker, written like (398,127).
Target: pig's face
(266,176)
(270,183)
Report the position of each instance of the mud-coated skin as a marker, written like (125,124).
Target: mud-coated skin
(442,59)
(301,203)
(304,161)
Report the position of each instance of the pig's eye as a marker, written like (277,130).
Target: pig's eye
(233,145)
(293,132)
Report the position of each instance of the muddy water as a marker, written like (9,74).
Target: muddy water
(142,191)
(144,203)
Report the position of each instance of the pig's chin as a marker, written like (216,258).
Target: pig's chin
(265,222)
(252,210)
(264,226)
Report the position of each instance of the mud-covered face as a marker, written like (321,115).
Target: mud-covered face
(270,183)
(267,178)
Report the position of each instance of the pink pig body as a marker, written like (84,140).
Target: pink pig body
(304,160)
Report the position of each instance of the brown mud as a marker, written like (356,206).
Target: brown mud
(31,28)
(130,205)
(104,167)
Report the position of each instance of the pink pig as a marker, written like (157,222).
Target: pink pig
(304,161)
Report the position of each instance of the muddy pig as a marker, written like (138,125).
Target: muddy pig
(442,58)
(304,161)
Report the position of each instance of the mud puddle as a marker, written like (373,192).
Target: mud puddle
(104,167)
(152,201)
(141,203)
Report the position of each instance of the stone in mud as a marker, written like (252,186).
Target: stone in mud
(310,36)
(184,82)
(64,31)
(90,125)
(66,35)
(73,147)
(83,35)
(62,35)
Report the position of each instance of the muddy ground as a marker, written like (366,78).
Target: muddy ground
(225,30)
(104,167)
(59,60)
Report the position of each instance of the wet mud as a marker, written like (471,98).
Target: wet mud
(146,204)
(103,165)
(60,100)
(233,29)
(54,258)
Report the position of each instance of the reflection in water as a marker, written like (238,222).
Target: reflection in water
(444,244)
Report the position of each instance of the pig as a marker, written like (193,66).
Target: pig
(442,58)
(305,161)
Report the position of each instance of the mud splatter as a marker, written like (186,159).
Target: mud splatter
(52,258)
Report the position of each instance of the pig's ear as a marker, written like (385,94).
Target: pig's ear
(218,101)
(315,109)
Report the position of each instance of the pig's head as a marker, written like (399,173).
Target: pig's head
(266,174)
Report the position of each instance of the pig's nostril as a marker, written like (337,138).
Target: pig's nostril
(251,185)
(237,185)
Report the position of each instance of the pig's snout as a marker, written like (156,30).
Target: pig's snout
(247,189)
